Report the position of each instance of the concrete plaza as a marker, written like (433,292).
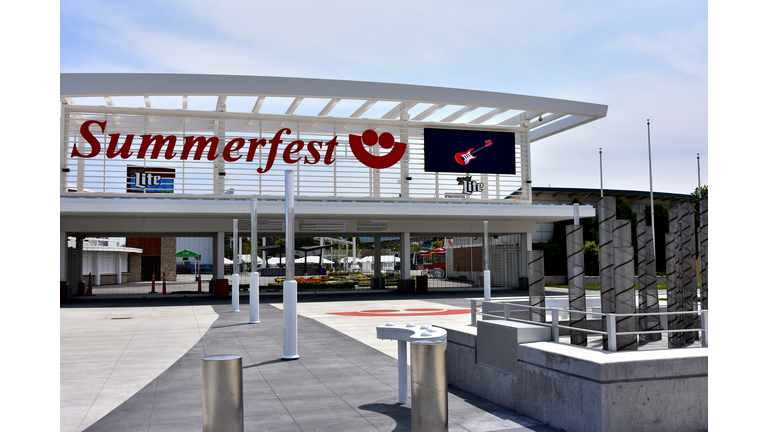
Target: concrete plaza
(135,364)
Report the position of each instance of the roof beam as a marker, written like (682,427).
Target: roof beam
(427,112)
(221,103)
(489,115)
(569,122)
(458,114)
(399,108)
(328,107)
(523,116)
(294,105)
(363,108)
(257,105)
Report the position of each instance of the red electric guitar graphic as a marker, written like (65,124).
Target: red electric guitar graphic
(463,159)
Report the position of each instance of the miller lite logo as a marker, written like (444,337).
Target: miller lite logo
(150,180)
(469,186)
(144,179)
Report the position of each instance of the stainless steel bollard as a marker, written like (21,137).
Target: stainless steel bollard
(429,386)
(223,393)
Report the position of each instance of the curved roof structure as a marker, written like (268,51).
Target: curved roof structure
(121,128)
(351,100)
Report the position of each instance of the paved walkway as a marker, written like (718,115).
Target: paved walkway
(135,365)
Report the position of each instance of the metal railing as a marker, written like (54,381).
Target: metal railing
(611,333)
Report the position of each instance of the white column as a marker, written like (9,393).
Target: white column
(290,288)
(405,256)
(96,268)
(118,269)
(253,291)
(486,263)
(235,273)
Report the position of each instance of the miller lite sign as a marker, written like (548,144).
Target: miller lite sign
(469,185)
(149,180)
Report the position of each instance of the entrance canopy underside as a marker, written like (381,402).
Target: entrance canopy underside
(102,214)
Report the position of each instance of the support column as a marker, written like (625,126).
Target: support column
(290,287)
(674,322)
(486,263)
(536,289)
(377,256)
(118,269)
(218,255)
(574,243)
(96,268)
(624,283)
(703,253)
(651,289)
(606,208)
(688,269)
(405,256)
(642,306)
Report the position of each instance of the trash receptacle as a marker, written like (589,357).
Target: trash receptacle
(422,284)
(523,283)
(406,286)
(223,393)
(429,386)
(222,288)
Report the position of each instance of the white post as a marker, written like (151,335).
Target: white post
(253,291)
(611,329)
(118,270)
(402,372)
(96,268)
(235,292)
(235,274)
(704,328)
(486,264)
(264,253)
(555,323)
(290,287)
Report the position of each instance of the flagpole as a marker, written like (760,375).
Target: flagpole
(698,162)
(650,175)
(601,172)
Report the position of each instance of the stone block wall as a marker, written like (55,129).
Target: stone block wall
(577,389)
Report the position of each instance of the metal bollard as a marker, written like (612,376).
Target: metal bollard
(223,393)
(429,386)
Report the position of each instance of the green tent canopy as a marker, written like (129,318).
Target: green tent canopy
(187,254)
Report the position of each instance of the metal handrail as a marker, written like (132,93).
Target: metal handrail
(610,332)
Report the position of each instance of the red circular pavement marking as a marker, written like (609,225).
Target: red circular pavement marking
(381,311)
(422,310)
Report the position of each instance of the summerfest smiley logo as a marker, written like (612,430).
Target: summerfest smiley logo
(169,147)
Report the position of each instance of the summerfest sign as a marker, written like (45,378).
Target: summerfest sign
(170,147)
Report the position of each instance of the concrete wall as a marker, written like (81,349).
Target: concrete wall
(578,389)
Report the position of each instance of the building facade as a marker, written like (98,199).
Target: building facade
(170,155)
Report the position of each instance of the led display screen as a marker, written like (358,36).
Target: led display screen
(469,151)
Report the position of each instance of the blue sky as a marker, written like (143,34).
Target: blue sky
(642,59)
